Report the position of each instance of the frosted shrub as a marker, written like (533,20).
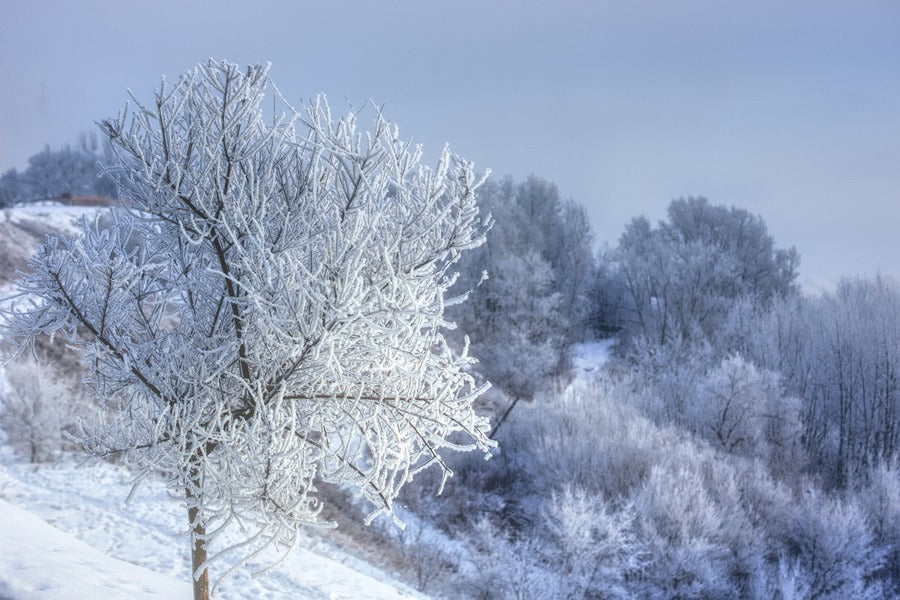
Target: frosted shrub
(511,567)
(730,407)
(684,531)
(833,542)
(425,553)
(880,499)
(630,490)
(594,546)
(534,303)
(666,377)
(791,582)
(523,337)
(588,435)
(36,408)
(741,409)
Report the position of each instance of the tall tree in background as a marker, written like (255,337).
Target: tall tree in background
(760,270)
(680,279)
(9,188)
(280,320)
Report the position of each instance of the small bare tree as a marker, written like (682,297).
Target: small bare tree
(280,320)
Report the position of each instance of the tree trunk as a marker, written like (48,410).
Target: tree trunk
(198,547)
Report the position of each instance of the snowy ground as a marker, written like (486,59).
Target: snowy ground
(49,215)
(40,561)
(65,532)
(590,356)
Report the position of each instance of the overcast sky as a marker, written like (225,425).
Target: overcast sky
(790,110)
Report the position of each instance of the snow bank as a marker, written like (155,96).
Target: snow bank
(38,561)
(76,561)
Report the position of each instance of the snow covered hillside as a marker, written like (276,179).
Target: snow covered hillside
(40,561)
(66,532)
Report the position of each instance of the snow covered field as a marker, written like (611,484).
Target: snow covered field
(40,561)
(60,217)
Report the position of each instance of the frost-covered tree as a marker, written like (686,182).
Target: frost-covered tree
(525,343)
(680,279)
(880,499)
(35,408)
(513,315)
(511,566)
(834,545)
(741,408)
(686,534)
(594,547)
(791,581)
(761,270)
(560,232)
(9,188)
(280,321)
(532,283)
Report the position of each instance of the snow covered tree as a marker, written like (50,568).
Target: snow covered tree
(35,408)
(9,188)
(835,546)
(533,305)
(511,565)
(680,279)
(761,270)
(687,536)
(593,544)
(281,320)
(742,409)
(514,315)
(880,500)
(840,354)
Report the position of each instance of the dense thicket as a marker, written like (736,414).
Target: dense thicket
(530,284)
(590,498)
(840,354)
(742,446)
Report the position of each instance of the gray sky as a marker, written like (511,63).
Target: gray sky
(790,110)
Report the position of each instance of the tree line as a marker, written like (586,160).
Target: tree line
(53,174)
